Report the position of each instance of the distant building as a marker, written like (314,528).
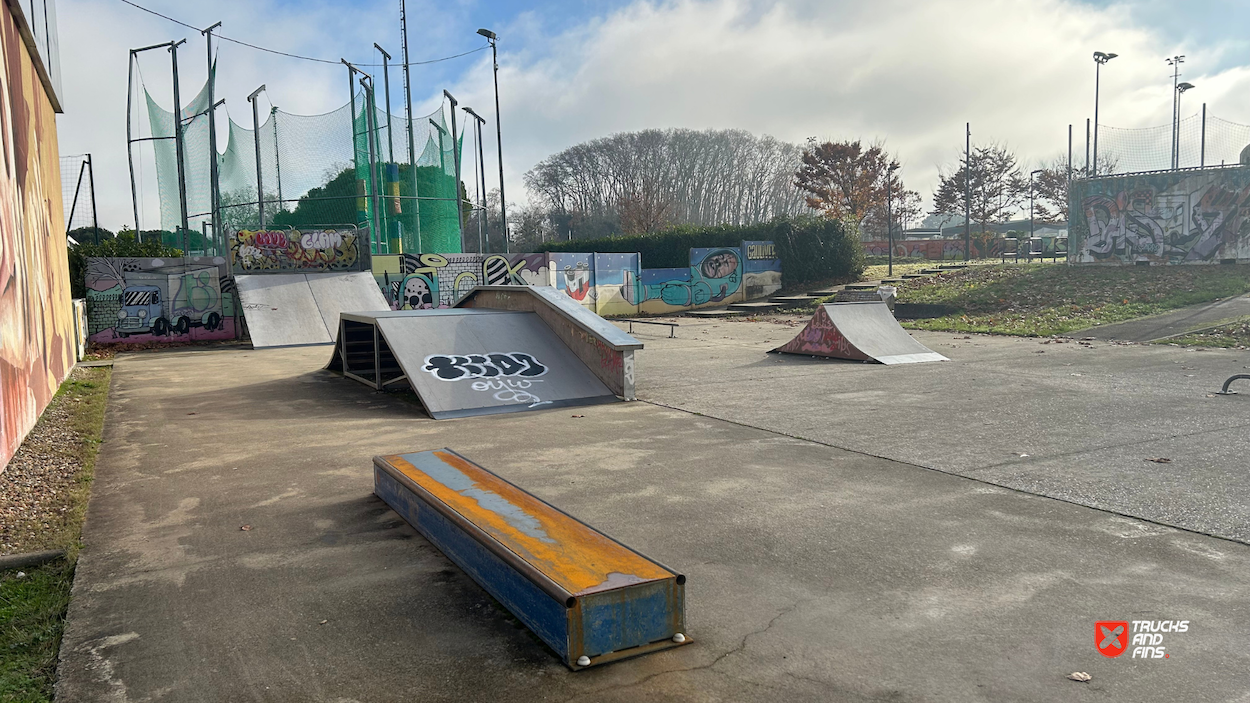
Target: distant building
(1019,227)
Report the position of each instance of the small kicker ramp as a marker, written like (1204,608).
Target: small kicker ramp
(293,309)
(860,332)
(466,361)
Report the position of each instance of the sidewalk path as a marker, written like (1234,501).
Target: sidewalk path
(1171,324)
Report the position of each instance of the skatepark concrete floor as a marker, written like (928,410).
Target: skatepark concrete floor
(832,550)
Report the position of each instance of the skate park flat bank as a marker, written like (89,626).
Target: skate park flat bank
(920,532)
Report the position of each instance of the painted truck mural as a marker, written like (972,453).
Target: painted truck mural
(1174,217)
(610,284)
(36,315)
(298,251)
(145,300)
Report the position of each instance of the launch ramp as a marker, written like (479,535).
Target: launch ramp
(860,332)
(466,361)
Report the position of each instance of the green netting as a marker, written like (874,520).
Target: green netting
(317,171)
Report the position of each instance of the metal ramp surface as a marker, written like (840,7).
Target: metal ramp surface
(466,361)
(860,332)
(293,309)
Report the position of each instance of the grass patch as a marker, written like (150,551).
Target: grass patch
(43,498)
(1049,299)
(1233,335)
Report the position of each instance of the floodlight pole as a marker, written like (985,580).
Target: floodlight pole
(1176,148)
(182,175)
(412,149)
(277,158)
(503,206)
(260,181)
(455,158)
(95,220)
(889,216)
(1202,149)
(1031,181)
(386,88)
(213,176)
(1100,58)
(482,240)
(967,190)
(1175,62)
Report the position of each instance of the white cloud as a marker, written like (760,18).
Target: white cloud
(908,73)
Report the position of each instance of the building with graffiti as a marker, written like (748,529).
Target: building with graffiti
(296,251)
(36,315)
(1193,216)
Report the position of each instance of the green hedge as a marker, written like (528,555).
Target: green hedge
(810,248)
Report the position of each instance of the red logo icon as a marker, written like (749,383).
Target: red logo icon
(1111,636)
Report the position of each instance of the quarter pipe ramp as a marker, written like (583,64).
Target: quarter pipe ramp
(859,332)
(293,309)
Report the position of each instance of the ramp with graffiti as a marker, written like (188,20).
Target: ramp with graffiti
(858,332)
(466,361)
(295,309)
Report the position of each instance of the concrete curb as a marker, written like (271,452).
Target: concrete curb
(17,561)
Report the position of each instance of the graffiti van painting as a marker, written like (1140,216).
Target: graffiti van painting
(169,300)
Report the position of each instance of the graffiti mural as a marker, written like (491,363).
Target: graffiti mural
(36,316)
(428,281)
(287,251)
(1164,218)
(610,284)
(715,277)
(509,377)
(615,277)
(762,273)
(147,300)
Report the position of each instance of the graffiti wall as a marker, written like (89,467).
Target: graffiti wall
(427,281)
(36,315)
(149,300)
(298,251)
(609,284)
(761,275)
(1195,217)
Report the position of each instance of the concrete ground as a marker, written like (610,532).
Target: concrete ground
(816,572)
(1174,323)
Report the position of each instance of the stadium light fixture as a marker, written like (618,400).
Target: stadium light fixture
(503,205)
(1100,58)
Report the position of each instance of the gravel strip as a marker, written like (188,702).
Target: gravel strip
(40,486)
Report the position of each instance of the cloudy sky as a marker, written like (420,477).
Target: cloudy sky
(909,73)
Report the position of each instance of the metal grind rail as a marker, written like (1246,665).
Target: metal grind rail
(672,326)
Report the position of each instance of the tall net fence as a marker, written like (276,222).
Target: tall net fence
(350,167)
(1150,148)
(77,192)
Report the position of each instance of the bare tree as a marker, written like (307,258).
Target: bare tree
(641,181)
(997,188)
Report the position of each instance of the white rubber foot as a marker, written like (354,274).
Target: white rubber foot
(679,638)
(583,660)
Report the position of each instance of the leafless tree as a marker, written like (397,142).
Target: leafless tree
(641,181)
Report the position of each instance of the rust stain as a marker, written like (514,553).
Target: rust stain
(571,554)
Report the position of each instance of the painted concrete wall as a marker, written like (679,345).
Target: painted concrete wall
(36,315)
(160,299)
(1177,217)
(609,284)
(298,251)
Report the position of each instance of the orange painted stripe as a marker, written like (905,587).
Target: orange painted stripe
(576,557)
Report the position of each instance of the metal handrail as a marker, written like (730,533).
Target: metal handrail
(672,326)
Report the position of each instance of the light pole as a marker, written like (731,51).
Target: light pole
(503,207)
(260,182)
(1176,147)
(481,174)
(1175,62)
(889,216)
(1031,181)
(1100,58)
(455,158)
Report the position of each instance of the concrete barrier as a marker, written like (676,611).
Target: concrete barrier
(588,597)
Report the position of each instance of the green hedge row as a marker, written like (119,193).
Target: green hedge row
(810,248)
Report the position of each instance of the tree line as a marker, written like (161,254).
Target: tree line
(641,182)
